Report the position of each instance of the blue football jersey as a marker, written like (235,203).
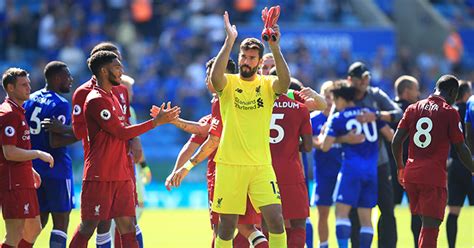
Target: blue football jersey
(358,158)
(48,104)
(325,162)
(470,112)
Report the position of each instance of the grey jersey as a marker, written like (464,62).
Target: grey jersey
(377,99)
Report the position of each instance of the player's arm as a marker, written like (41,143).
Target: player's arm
(280,85)
(312,100)
(389,110)
(351,138)
(14,153)
(192,127)
(60,140)
(206,149)
(327,142)
(401,134)
(464,154)
(78,119)
(218,78)
(307,143)
(184,155)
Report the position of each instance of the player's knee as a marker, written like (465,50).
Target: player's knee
(104,226)
(275,223)
(298,223)
(14,235)
(454,210)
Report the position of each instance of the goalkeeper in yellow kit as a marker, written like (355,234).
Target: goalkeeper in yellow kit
(244,164)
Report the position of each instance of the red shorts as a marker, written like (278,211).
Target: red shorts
(107,200)
(251,216)
(19,204)
(427,200)
(294,201)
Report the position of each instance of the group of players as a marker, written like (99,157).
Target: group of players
(252,139)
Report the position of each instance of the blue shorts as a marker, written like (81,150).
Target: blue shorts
(358,191)
(56,195)
(324,188)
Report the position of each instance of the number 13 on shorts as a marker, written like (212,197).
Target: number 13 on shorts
(276,191)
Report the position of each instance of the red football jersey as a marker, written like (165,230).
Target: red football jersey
(198,138)
(290,120)
(108,136)
(433,125)
(15,131)
(78,118)
(121,92)
(216,123)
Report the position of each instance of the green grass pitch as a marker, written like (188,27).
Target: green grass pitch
(175,228)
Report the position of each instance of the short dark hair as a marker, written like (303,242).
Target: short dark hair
(464,87)
(231,66)
(52,68)
(346,92)
(404,82)
(104,46)
(11,74)
(253,43)
(97,60)
(447,83)
(295,84)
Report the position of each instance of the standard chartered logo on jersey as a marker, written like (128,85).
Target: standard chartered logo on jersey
(248,105)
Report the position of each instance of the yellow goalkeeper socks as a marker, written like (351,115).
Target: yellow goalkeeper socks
(222,243)
(277,240)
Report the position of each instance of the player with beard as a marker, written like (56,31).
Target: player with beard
(107,190)
(18,179)
(44,110)
(243,159)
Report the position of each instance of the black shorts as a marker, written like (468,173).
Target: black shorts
(460,184)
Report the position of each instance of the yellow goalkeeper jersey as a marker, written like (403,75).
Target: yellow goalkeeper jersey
(246,111)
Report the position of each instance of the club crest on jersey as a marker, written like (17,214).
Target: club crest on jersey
(239,90)
(9,131)
(105,114)
(97,210)
(258,90)
(26,208)
(62,119)
(76,110)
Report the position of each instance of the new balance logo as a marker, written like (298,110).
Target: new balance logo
(26,208)
(257,90)
(97,210)
(239,90)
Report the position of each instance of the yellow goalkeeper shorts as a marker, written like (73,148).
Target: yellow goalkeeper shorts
(234,182)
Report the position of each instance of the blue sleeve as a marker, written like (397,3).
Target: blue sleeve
(336,126)
(467,117)
(381,124)
(62,111)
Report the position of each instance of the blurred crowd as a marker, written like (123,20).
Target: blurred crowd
(165,44)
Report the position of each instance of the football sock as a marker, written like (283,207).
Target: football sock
(366,235)
(129,240)
(139,236)
(416,228)
(258,240)
(309,233)
(297,237)
(103,240)
(78,240)
(324,244)
(277,240)
(223,243)
(57,239)
(25,244)
(6,246)
(240,241)
(428,237)
(452,229)
(343,232)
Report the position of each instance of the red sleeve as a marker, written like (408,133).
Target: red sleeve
(305,127)
(298,97)
(101,112)
(78,119)
(216,123)
(10,124)
(405,121)
(198,139)
(455,127)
